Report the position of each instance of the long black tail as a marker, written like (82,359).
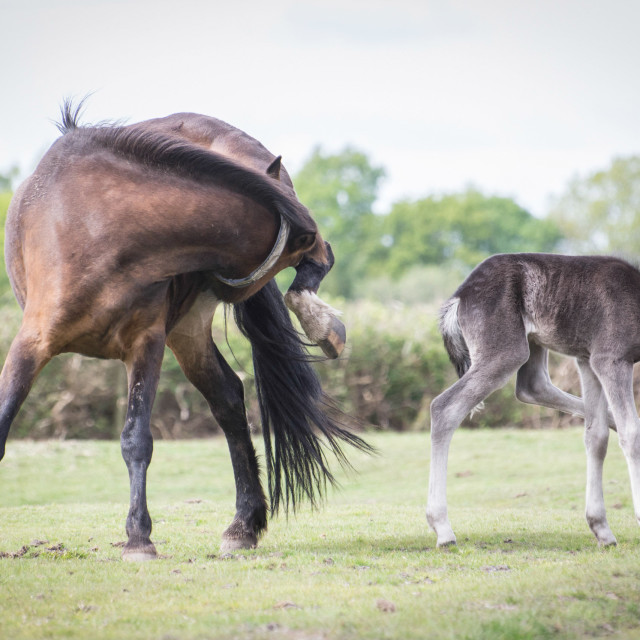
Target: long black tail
(292,404)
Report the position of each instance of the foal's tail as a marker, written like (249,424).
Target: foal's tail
(292,403)
(454,341)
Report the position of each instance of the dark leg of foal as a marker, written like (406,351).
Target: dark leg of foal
(143,370)
(207,370)
(534,386)
(23,363)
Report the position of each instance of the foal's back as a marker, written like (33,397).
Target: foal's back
(576,305)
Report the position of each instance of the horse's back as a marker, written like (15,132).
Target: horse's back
(218,136)
(566,303)
(93,242)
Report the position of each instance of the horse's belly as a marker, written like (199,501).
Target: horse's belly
(549,337)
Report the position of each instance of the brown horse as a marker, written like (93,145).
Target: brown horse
(317,319)
(125,239)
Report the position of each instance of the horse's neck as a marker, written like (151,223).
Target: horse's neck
(224,139)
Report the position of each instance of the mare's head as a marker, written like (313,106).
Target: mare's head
(305,245)
(319,320)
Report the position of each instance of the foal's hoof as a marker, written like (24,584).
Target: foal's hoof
(247,541)
(333,344)
(446,543)
(139,553)
(608,541)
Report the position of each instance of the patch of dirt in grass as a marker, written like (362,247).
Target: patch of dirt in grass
(498,567)
(500,606)
(276,630)
(386,606)
(24,550)
(286,604)
(15,554)
(33,550)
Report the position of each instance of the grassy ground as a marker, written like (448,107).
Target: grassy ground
(365,566)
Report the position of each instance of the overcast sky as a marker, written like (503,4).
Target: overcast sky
(513,96)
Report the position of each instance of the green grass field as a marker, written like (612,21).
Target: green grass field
(365,566)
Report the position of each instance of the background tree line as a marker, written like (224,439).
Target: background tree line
(392,272)
(598,213)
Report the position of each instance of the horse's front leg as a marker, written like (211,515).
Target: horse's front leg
(143,370)
(23,363)
(318,320)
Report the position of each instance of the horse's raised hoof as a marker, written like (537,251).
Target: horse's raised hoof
(333,345)
(139,553)
(318,320)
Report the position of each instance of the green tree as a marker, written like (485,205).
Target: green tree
(5,287)
(462,228)
(340,190)
(601,212)
(7,179)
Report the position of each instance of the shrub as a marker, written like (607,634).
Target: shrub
(394,365)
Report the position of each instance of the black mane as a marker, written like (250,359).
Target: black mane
(179,156)
(70,115)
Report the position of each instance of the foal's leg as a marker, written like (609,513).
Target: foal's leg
(143,370)
(207,370)
(617,379)
(596,438)
(534,386)
(448,410)
(24,361)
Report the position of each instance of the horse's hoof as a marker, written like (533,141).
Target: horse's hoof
(447,542)
(139,553)
(450,544)
(333,345)
(229,545)
(608,541)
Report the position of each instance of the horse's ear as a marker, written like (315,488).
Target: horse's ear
(303,242)
(273,169)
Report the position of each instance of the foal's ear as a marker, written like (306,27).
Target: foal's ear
(273,169)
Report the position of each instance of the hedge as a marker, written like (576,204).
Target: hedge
(394,365)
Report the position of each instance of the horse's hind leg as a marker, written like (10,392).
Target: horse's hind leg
(24,361)
(534,386)
(447,412)
(617,380)
(596,439)
(143,371)
(207,370)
